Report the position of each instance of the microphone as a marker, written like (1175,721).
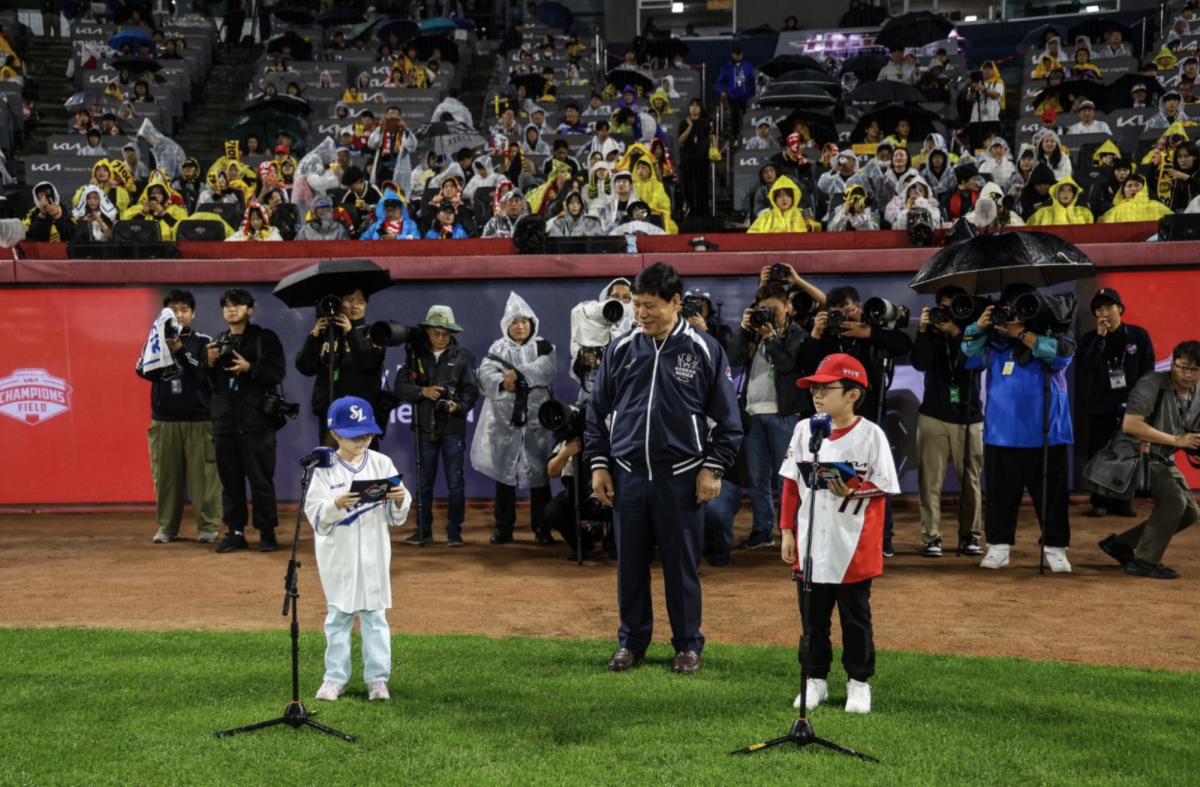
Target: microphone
(320,457)
(821,425)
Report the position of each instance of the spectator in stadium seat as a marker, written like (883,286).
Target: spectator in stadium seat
(1064,209)
(1005,217)
(574,221)
(220,189)
(512,210)
(650,190)
(762,139)
(359,193)
(457,109)
(784,215)
(916,196)
(1036,193)
(1114,46)
(998,162)
(572,122)
(141,93)
(102,178)
(392,221)
(1108,192)
(597,108)
(1136,204)
(938,172)
(1179,183)
(1087,121)
(158,203)
(1083,67)
(532,144)
(94,215)
(853,213)
(47,220)
(1049,151)
(93,147)
(321,224)
(445,225)
(256,226)
(897,70)
(1170,112)
(889,183)
(835,182)
(133,160)
(932,85)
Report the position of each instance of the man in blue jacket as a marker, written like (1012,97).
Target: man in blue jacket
(736,84)
(662,430)
(1017,359)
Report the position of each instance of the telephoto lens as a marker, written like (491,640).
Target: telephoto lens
(612,312)
(966,307)
(330,306)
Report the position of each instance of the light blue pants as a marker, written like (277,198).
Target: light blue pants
(376,645)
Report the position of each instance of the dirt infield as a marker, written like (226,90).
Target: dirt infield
(103,571)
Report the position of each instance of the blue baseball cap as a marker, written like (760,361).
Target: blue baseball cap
(351,416)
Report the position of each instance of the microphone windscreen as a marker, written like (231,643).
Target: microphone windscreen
(324,455)
(821,424)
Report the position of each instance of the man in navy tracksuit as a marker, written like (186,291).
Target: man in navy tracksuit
(662,430)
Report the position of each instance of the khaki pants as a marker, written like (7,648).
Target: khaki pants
(1174,509)
(937,443)
(182,451)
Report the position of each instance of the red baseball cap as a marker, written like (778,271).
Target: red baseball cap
(838,366)
(284,149)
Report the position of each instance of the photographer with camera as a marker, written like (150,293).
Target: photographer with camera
(439,380)
(768,345)
(1115,357)
(950,409)
(1163,417)
(1021,361)
(510,445)
(662,430)
(700,313)
(875,342)
(985,94)
(245,364)
(594,324)
(357,362)
(854,213)
(180,435)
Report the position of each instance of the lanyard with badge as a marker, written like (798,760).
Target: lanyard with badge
(1116,369)
(955,390)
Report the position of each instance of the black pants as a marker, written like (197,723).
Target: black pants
(737,108)
(506,506)
(858,638)
(1008,472)
(560,516)
(1100,429)
(241,458)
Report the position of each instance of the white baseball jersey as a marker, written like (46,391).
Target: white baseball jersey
(353,546)
(848,534)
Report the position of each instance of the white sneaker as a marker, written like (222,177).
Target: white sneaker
(207,537)
(378,690)
(1056,559)
(858,697)
(996,557)
(818,692)
(330,690)
(164,538)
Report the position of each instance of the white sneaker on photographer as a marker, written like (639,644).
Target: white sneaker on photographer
(1056,559)
(996,557)
(858,697)
(818,692)
(330,690)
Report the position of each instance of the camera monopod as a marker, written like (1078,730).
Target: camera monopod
(802,733)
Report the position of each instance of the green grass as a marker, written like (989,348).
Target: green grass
(97,707)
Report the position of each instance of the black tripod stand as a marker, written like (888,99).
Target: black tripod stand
(801,732)
(295,715)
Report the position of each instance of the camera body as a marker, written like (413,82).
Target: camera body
(836,320)
(1002,314)
(691,307)
(329,307)
(975,77)
(449,394)
(780,272)
(762,317)
(226,356)
(170,331)
(566,421)
(920,227)
(940,314)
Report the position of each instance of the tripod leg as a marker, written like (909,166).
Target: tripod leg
(761,746)
(250,728)
(333,732)
(843,750)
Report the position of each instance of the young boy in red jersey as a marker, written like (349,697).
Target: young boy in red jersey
(848,533)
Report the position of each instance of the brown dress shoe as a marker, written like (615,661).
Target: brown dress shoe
(686,662)
(624,659)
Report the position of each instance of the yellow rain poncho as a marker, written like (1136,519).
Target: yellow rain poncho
(171,215)
(1165,59)
(548,190)
(120,191)
(1139,208)
(776,220)
(1056,213)
(1045,66)
(650,190)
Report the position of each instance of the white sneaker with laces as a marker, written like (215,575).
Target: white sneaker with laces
(1056,559)
(330,690)
(858,697)
(163,538)
(378,690)
(818,692)
(996,557)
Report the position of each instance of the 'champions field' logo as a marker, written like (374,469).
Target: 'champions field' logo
(33,395)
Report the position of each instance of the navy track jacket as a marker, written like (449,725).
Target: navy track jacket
(661,410)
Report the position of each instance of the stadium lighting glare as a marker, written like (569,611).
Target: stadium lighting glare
(1091,9)
(676,8)
(971,18)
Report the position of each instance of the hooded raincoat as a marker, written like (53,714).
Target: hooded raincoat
(408,227)
(1162,120)
(1002,170)
(1030,199)
(834,184)
(264,233)
(113,188)
(927,201)
(171,214)
(44,227)
(1056,213)
(509,453)
(776,219)
(1005,218)
(868,219)
(568,226)
(108,211)
(651,191)
(1140,208)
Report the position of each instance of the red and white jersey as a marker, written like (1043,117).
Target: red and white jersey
(848,534)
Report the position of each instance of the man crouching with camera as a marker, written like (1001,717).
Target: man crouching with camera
(1162,417)
(245,363)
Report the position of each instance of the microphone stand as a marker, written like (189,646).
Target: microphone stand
(577,468)
(412,354)
(801,732)
(295,715)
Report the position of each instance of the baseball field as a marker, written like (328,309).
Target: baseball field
(120,658)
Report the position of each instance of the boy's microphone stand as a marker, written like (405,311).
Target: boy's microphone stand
(296,715)
(801,732)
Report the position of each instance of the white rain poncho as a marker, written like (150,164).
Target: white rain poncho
(168,156)
(514,455)
(314,178)
(589,329)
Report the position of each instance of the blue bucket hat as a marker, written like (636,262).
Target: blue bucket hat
(351,416)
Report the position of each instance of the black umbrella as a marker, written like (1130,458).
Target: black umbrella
(405,30)
(1072,90)
(665,49)
(865,67)
(341,15)
(301,49)
(427,43)
(331,277)
(989,263)
(885,92)
(820,126)
(448,137)
(137,64)
(795,94)
(1119,92)
(920,122)
(535,84)
(785,63)
(1033,39)
(1095,29)
(914,29)
(288,105)
(620,77)
(808,76)
(294,16)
